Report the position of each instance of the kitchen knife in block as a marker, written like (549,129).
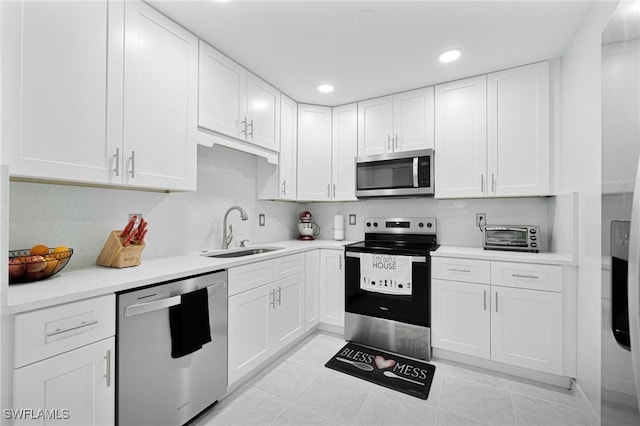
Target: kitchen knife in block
(115,255)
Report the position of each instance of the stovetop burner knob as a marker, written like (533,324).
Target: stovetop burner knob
(421,225)
(369,224)
(375,224)
(429,225)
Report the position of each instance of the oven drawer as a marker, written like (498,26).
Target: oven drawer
(467,270)
(524,275)
(51,331)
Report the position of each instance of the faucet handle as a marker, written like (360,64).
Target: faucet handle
(243,242)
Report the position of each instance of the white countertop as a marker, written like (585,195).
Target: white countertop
(92,281)
(504,256)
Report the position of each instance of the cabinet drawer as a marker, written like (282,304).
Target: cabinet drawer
(47,332)
(247,277)
(287,266)
(468,270)
(524,275)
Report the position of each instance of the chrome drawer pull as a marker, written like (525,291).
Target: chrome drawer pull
(116,160)
(525,276)
(460,270)
(108,373)
(75,327)
(484,297)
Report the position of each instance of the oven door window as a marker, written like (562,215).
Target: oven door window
(408,305)
(387,174)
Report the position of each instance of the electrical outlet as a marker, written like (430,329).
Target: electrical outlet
(352,219)
(481,220)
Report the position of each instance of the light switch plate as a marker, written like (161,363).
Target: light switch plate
(261,219)
(352,219)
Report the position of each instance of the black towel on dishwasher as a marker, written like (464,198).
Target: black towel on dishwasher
(189,323)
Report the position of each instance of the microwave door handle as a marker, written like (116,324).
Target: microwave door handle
(415,172)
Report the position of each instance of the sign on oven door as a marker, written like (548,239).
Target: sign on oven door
(386,273)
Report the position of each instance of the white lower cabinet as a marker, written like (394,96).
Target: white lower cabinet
(312,288)
(505,323)
(76,387)
(64,364)
(264,319)
(461,317)
(332,287)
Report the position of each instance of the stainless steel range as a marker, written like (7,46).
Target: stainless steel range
(388,285)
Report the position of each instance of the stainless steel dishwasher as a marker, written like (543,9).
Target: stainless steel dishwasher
(153,388)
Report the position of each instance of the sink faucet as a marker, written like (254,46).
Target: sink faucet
(227,235)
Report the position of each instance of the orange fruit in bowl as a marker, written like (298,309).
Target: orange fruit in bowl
(61,252)
(39,250)
(52,262)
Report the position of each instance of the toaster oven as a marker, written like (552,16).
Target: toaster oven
(512,237)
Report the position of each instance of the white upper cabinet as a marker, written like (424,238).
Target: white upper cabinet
(461,138)
(344,148)
(89,100)
(235,103)
(314,153)
(62,89)
(222,93)
(279,182)
(518,131)
(492,134)
(402,122)
(160,101)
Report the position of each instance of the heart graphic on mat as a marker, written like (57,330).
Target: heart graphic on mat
(382,363)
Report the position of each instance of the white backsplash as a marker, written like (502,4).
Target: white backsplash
(81,217)
(455,218)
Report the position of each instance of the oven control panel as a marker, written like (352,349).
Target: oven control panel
(401,225)
(386,286)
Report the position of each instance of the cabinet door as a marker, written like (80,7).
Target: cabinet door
(312,288)
(332,287)
(526,328)
(461,138)
(221,93)
(413,120)
(288,316)
(81,381)
(263,113)
(345,150)
(160,101)
(250,341)
(288,148)
(62,89)
(314,153)
(375,126)
(460,317)
(518,131)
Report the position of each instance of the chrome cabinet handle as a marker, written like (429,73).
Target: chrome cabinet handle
(328,190)
(133,164)
(460,270)
(484,297)
(251,125)
(525,276)
(244,126)
(284,187)
(340,262)
(334,190)
(108,373)
(279,296)
(272,298)
(496,302)
(482,184)
(493,182)
(388,142)
(74,327)
(396,142)
(116,159)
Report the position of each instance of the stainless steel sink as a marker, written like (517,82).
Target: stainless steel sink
(240,252)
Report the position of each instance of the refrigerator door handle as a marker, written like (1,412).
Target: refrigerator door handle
(633,290)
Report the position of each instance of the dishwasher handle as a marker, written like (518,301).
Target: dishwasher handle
(156,305)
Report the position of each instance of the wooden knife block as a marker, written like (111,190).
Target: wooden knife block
(115,255)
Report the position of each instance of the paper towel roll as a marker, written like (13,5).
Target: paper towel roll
(338,221)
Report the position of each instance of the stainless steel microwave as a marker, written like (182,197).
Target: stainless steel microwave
(398,174)
(512,237)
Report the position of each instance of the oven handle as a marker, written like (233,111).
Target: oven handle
(414,259)
(156,305)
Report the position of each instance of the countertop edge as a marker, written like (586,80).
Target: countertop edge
(95,281)
(504,256)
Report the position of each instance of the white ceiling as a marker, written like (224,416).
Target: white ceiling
(297,45)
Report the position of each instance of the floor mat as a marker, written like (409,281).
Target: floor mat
(384,368)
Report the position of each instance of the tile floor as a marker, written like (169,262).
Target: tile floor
(298,390)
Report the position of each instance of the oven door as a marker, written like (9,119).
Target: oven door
(389,298)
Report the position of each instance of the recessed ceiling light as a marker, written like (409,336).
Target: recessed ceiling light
(325,88)
(449,55)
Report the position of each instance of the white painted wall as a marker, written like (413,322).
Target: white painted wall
(179,223)
(581,159)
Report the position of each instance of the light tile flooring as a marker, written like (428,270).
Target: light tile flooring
(299,390)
